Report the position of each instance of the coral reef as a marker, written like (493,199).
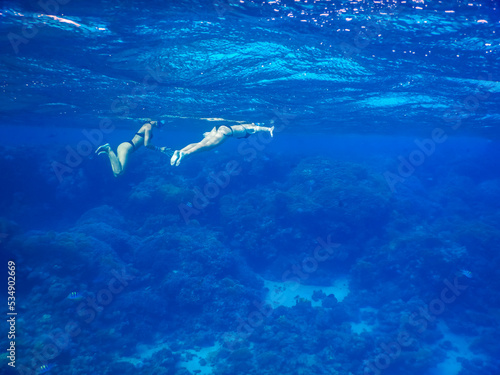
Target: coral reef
(115,281)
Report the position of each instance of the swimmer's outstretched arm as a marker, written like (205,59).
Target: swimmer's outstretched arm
(149,145)
(165,150)
(252,128)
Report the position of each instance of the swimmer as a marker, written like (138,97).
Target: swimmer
(142,137)
(217,136)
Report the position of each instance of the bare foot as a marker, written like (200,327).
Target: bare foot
(103,149)
(174,157)
(181,156)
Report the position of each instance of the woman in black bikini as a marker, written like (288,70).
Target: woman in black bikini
(125,149)
(216,137)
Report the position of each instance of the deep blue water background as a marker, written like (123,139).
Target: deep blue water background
(386,150)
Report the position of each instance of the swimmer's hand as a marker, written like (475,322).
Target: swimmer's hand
(164,150)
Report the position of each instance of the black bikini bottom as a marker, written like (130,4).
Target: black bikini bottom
(232,134)
(133,146)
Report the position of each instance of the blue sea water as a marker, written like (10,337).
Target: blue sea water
(361,239)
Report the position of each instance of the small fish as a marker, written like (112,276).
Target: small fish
(44,368)
(75,296)
(466,273)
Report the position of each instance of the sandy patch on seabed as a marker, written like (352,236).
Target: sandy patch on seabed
(287,293)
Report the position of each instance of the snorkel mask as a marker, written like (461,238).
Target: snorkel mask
(158,124)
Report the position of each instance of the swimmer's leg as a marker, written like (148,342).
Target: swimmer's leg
(115,163)
(211,140)
(113,159)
